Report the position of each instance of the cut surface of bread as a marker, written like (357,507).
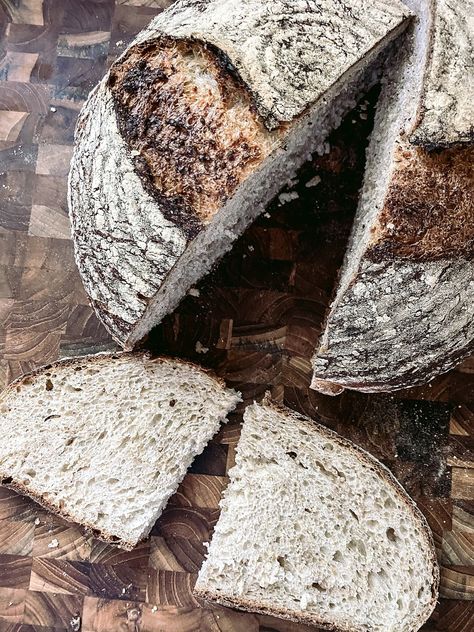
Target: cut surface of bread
(196,127)
(404,307)
(314,529)
(105,440)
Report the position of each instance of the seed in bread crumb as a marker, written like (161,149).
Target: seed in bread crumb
(53,544)
(194,292)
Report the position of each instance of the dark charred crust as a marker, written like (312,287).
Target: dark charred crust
(429,208)
(422,140)
(190,124)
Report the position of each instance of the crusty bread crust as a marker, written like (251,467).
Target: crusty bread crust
(403,311)
(23,489)
(250,605)
(428,212)
(192,157)
(378,467)
(445,115)
(194,145)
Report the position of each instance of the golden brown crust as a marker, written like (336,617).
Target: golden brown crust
(429,207)
(190,124)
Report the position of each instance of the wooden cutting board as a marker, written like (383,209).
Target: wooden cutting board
(256,320)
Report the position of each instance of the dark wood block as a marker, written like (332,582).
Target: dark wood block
(59,577)
(49,609)
(118,582)
(24,97)
(15,571)
(93,15)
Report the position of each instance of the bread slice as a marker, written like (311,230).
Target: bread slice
(404,307)
(105,440)
(196,126)
(315,530)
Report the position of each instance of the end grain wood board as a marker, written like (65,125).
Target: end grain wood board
(255,321)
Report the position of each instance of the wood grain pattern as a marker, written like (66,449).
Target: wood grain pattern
(257,313)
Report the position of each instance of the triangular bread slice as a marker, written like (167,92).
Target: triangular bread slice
(105,440)
(315,530)
(196,127)
(404,307)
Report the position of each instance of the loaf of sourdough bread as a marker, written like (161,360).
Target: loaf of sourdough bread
(315,530)
(404,307)
(196,126)
(105,440)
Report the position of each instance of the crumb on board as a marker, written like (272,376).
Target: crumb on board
(313,182)
(200,348)
(53,544)
(194,292)
(283,198)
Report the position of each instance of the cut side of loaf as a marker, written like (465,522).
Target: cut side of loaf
(404,307)
(105,440)
(315,530)
(196,127)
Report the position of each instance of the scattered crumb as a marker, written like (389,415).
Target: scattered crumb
(124,590)
(53,109)
(267,215)
(313,182)
(134,615)
(154,609)
(251,248)
(37,521)
(288,197)
(119,43)
(53,544)
(194,292)
(363,116)
(292,182)
(200,348)
(75,623)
